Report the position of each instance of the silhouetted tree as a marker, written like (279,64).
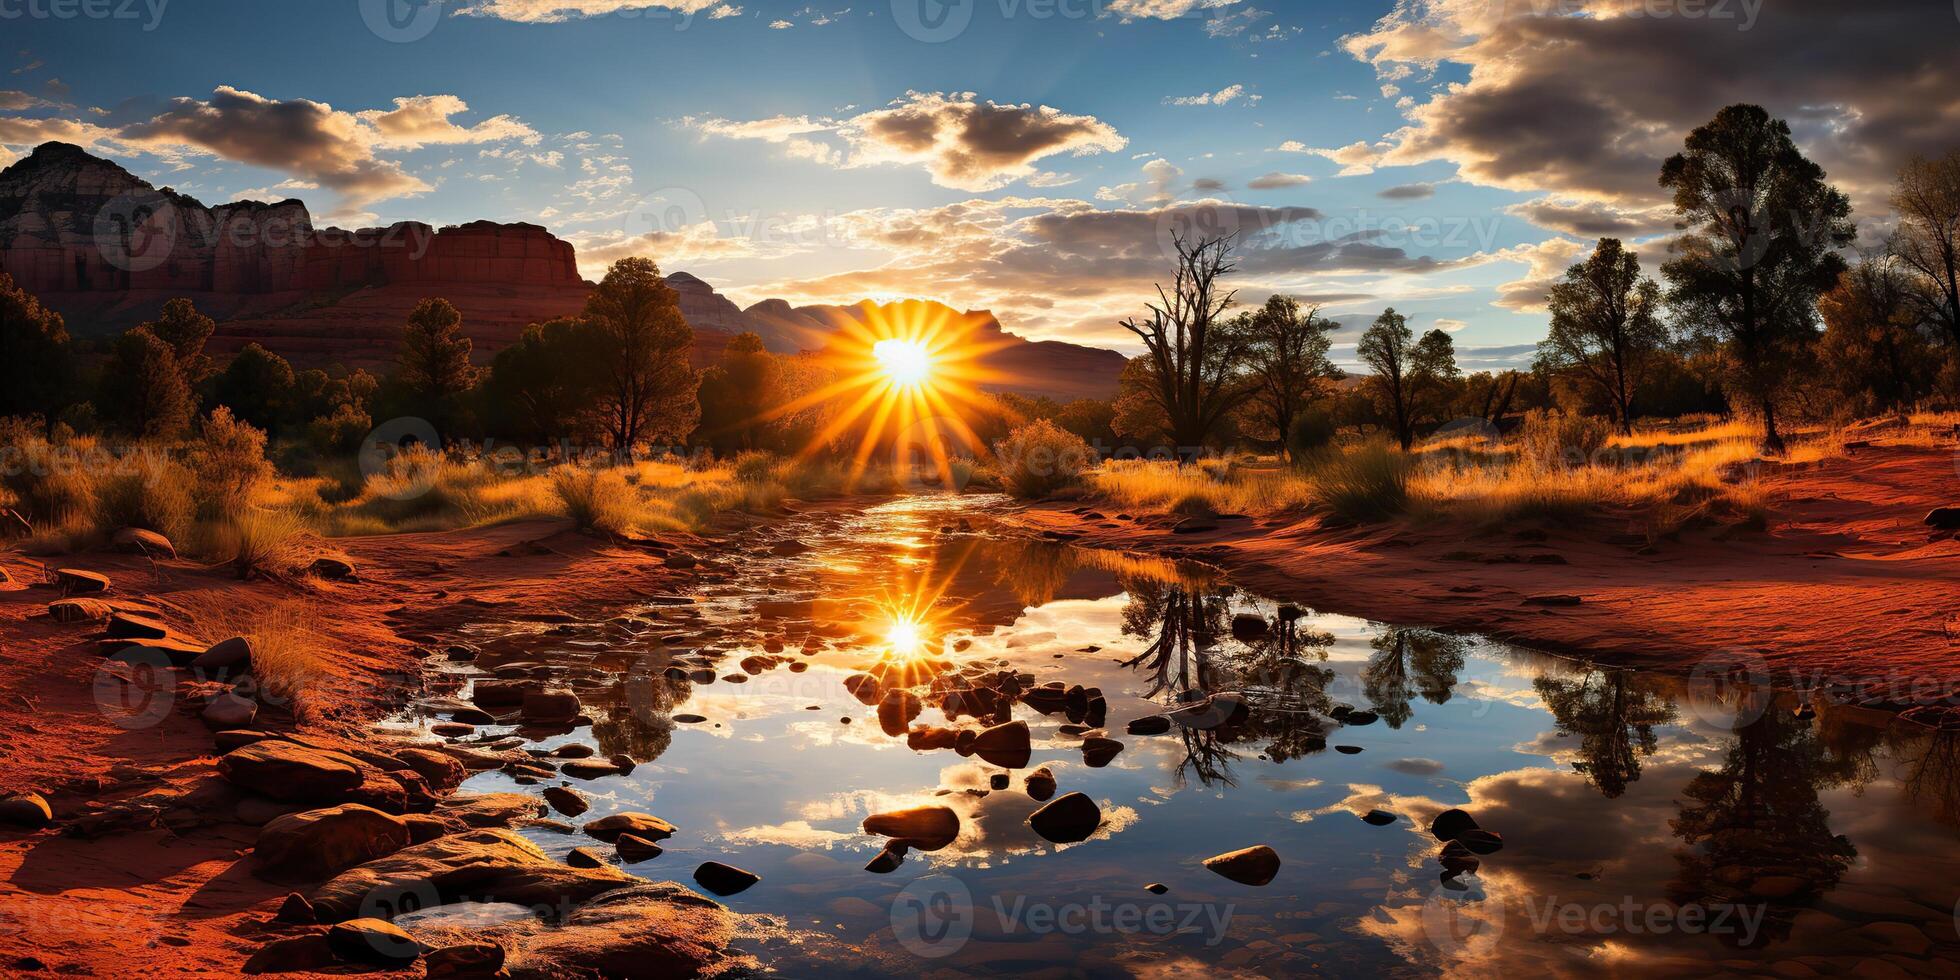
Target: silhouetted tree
(258,386)
(1762,240)
(539,387)
(738,393)
(1613,713)
(1193,358)
(186,331)
(1606,327)
(1408,662)
(1875,353)
(36,364)
(1406,371)
(1927,201)
(1286,361)
(643,388)
(143,387)
(432,369)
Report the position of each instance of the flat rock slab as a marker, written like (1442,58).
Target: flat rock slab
(478,866)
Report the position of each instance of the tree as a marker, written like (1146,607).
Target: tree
(1927,201)
(1093,419)
(738,394)
(143,387)
(538,387)
(1875,352)
(36,364)
(1286,360)
(432,369)
(1763,230)
(258,386)
(186,331)
(644,388)
(1606,328)
(1407,372)
(1193,375)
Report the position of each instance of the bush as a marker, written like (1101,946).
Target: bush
(149,490)
(1312,432)
(54,487)
(596,499)
(340,433)
(1562,440)
(261,543)
(1040,458)
(229,460)
(1367,483)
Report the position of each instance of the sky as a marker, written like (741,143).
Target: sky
(1032,157)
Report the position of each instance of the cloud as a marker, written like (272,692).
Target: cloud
(1586,98)
(560,11)
(1545,262)
(1158,186)
(1163,9)
(425,120)
(1223,96)
(1595,219)
(1277,179)
(963,142)
(1407,192)
(14,100)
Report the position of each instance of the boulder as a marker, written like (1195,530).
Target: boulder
(633,848)
(130,626)
(1040,784)
(322,843)
(927,828)
(440,770)
(75,581)
(1450,823)
(888,860)
(1378,818)
(1480,841)
(1098,752)
(644,825)
(1256,865)
(488,809)
(550,706)
(585,857)
(480,865)
(300,954)
(1457,860)
(337,569)
(228,711)
(79,610)
(896,711)
(137,541)
(234,654)
(468,961)
(295,909)
(566,800)
(296,773)
(1150,725)
(724,879)
(424,827)
(29,810)
(1067,819)
(659,930)
(1007,746)
(372,941)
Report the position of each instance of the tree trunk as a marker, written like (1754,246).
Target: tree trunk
(1772,440)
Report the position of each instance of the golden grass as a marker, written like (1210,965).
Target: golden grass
(260,542)
(1219,487)
(288,654)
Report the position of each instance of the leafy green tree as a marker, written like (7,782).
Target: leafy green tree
(259,387)
(1286,361)
(37,365)
(1606,327)
(1763,233)
(643,388)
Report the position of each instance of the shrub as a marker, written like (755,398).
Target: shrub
(230,464)
(339,433)
(595,499)
(1041,458)
(261,543)
(149,490)
(54,487)
(1562,440)
(1312,432)
(1367,483)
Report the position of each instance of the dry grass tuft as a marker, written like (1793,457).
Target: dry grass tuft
(288,654)
(261,543)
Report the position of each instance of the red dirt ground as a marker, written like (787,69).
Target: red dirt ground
(158,902)
(1846,583)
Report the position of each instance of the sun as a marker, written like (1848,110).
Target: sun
(906,362)
(906,635)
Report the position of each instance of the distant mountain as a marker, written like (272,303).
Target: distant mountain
(1010,363)
(107,249)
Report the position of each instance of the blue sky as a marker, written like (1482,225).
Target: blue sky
(822,153)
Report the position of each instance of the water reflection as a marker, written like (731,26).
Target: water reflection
(1608,793)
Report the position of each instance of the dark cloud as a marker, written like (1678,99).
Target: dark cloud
(1407,192)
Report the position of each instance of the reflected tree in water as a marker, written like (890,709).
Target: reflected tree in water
(637,721)
(1276,674)
(1755,830)
(1931,762)
(1613,713)
(1408,662)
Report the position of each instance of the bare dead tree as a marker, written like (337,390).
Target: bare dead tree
(1194,357)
